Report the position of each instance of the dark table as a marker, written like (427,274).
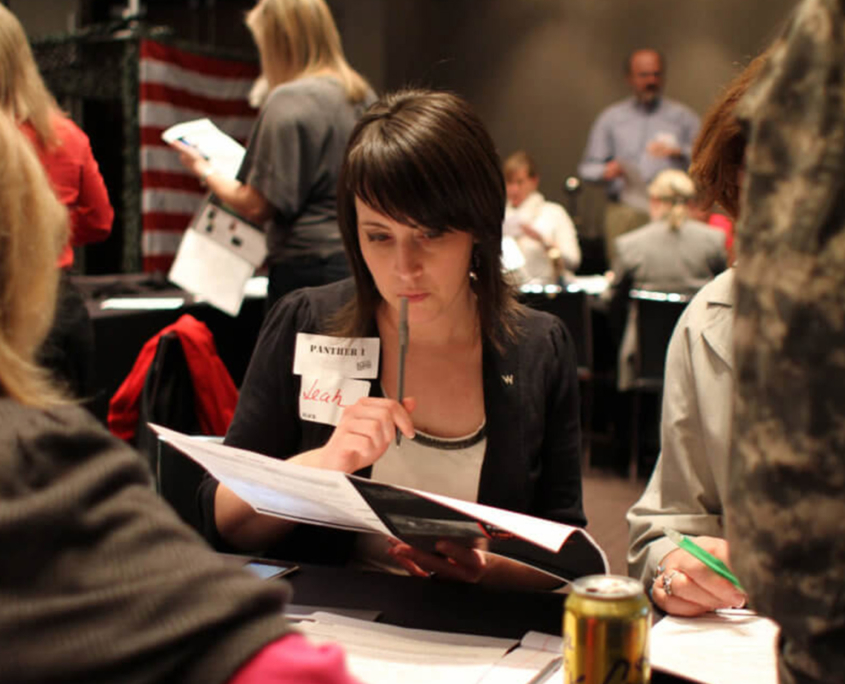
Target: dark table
(435,605)
(119,335)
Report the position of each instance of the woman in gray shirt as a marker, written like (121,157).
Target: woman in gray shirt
(288,178)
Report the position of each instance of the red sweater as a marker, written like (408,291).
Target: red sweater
(76,180)
(215,394)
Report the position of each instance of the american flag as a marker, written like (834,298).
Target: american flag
(177,86)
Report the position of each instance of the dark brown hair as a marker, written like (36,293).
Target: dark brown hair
(719,149)
(424,158)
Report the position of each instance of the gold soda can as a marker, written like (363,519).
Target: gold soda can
(606,626)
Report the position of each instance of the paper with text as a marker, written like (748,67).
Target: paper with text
(285,490)
(348,357)
(717,649)
(336,499)
(210,271)
(385,654)
(224,152)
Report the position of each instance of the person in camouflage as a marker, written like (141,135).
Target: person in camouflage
(786,499)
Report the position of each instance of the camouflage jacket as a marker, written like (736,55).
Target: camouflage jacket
(786,504)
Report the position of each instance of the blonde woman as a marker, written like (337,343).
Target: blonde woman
(61,145)
(65,152)
(289,175)
(94,563)
(673,253)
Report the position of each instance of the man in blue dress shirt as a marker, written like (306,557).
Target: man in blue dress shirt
(634,140)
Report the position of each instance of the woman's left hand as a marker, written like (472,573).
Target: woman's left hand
(452,561)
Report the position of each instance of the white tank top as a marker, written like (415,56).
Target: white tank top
(450,467)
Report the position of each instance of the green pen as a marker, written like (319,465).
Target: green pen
(705,557)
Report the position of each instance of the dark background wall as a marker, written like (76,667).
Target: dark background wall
(538,71)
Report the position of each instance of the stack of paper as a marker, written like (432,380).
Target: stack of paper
(722,648)
(379,653)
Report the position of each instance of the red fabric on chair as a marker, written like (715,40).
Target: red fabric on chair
(215,393)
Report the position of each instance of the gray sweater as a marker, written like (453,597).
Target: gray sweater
(99,580)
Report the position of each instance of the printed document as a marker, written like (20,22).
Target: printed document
(718,648)
(336,499)
(224,152)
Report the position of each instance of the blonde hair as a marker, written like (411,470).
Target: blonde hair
(33,230)
(676,189)
(519,160)
(23,94)
(298,38)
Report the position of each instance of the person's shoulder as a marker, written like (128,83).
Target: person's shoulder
(614,112)
(554,209)
(640,235)
(714,300)
(59,438)
(677,108)
(536,329)
(705,232)
(310,308)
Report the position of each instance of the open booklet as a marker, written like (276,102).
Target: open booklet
(335,499)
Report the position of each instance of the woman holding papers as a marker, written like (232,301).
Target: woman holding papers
(689,485)
(100,580)
(288,178)
(490,409)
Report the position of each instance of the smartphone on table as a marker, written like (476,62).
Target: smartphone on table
(268,569)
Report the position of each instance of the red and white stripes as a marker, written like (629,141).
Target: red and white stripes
(177,86)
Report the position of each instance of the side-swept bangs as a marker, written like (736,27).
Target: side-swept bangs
(424,158)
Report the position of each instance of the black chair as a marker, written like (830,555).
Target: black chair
(656,315)
(571,305)
(586,202)
(168,399)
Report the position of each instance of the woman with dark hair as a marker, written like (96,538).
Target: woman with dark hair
(491,413)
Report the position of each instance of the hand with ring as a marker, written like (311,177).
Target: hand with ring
(683,585)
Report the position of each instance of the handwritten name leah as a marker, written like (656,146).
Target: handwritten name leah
(315,393)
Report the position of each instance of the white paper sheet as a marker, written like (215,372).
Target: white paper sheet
(208,270)
(225,153)
(635,191)
(143,303)
(285,490)
(384,654)
(717,648)
(550,535)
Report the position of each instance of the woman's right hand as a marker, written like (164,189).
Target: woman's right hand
(363,434)
(693,588)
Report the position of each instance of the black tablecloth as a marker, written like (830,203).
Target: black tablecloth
(120,334)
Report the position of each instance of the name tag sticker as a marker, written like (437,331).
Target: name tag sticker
(322,399)
(324,355)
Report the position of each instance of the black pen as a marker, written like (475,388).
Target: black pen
(403,349)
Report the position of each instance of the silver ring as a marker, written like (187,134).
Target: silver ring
(667,582)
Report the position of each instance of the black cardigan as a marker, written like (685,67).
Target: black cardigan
(532,461)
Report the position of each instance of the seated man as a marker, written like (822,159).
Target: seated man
(634,140)
(543,231)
